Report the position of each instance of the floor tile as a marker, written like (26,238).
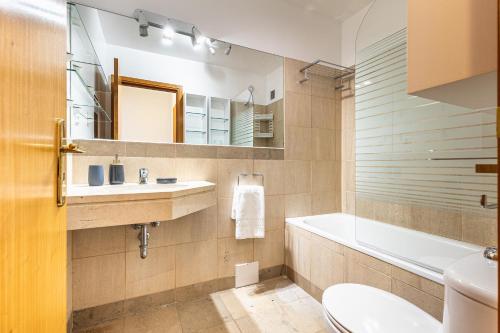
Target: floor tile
(164,320)
(272,306)
(202,314)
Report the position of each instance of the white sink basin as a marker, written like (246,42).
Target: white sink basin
(132,188)
(111,205)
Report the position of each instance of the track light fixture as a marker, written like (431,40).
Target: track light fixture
(211,44)
(168,35)
(170,27)
(143,23)
(196,37)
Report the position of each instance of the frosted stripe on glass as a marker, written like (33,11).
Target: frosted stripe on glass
(415,150)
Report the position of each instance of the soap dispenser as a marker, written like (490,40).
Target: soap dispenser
(116,172)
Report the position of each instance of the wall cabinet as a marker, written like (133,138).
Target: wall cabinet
(452,51)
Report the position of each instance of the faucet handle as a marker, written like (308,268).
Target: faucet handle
(491,253)
(484,203)
(143,175)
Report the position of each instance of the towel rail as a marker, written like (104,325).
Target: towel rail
(253,175)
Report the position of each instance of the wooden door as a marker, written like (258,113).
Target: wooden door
(32,227)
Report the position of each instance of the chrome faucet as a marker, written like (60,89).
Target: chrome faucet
(143,176)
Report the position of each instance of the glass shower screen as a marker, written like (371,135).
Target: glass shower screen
(415,157)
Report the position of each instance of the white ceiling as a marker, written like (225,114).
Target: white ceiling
(300,29)
(334,9)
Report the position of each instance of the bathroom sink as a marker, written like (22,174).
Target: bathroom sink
(135,188)
(111,205)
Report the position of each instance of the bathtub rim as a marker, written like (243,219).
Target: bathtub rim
(355,245)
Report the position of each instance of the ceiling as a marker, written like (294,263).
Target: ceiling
(302,29)
(334,9)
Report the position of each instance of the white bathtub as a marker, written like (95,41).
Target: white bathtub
(418,252)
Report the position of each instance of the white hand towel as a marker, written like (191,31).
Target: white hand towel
(249,212)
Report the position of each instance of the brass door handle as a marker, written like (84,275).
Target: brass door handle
(63,149)
(71,148)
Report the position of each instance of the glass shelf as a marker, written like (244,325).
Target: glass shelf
(89,110)
(219,130)
(79,92)
(196,113)
(80,48)
(195,131)
(92,74)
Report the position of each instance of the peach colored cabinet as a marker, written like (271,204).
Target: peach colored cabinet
(452,51)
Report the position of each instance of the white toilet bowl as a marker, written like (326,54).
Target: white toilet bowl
(356,308)
(470,304)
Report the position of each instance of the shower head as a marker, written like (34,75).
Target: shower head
(250,98)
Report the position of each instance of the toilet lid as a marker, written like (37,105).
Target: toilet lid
(363,309)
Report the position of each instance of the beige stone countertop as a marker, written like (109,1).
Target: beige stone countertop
(85,194)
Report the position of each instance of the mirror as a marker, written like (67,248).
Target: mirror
(173,85)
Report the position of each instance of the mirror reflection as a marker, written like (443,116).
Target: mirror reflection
(156,79)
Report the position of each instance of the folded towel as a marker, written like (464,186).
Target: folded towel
(248,211)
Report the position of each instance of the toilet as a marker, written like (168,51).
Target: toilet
(471,296)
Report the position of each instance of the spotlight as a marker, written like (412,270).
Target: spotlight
(168,35)
(143,23)
(211,45)
(196,37)
(227,51)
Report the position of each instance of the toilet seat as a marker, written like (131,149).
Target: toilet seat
(335,327)
(355,308)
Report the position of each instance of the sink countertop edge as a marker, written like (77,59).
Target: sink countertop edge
(77,199)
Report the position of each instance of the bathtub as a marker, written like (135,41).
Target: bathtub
(418,252)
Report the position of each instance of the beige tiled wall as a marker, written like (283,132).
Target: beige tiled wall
(201,247)
(196,248)
(348,151)
(315,263)
(312,143)
(477,227)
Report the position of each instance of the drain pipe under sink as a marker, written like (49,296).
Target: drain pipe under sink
(144,237)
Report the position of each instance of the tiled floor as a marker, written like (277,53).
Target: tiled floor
(276,305)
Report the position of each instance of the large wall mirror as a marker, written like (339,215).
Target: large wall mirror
(163,82)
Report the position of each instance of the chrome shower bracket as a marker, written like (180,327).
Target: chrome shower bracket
(144,237)
(306,77)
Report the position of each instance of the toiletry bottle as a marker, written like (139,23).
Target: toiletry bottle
(116,172)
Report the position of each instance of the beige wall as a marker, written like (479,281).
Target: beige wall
(348,149)
(312,143)
(145,114)
(198,249)
(315,263)
(477,227)
(314,174)
(191,250)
